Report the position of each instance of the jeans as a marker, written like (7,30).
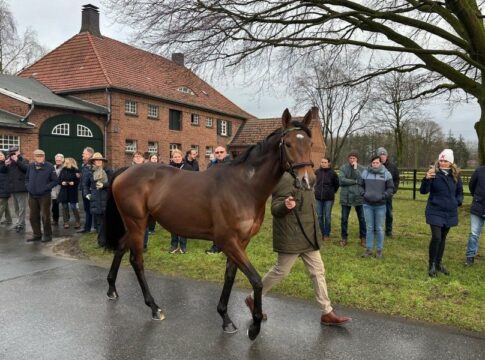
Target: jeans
(324,212)
(345,221)
(176,240)
(389,217)
(476,225)
(374,218)
(437,244)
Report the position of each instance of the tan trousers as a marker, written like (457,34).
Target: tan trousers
(313,263)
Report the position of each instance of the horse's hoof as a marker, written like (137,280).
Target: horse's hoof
(113,296)
(230,328)
(253,332)
(159,315)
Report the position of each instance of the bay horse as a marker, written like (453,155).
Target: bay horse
(224,204)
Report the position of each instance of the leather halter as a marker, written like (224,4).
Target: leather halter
(285,164)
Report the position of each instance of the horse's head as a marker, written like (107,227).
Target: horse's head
(296,147)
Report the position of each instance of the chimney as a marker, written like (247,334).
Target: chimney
(178,58)
(90,20)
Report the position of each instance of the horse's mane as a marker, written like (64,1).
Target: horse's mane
(261,145)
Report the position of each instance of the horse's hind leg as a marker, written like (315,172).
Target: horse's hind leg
(136,261)
(229,277)
(113,273)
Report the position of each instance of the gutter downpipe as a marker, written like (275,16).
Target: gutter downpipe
(108,120)
(32,106)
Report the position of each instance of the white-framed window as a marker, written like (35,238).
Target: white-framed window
(153,111)
(130,146)
(153,147)
(6,141)
(130,107)
(174,146)
(61,129)
(209,122)
(83,131)
(209,150)
(223,128)
(186,90)
(194,119)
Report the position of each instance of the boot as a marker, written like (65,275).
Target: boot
(77,218)
(333,319)
(65,217)
(432,270)
(442,269)
(469,261)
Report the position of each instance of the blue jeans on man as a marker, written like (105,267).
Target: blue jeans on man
(345,221)
(324,212)
(476,225)
(374,218)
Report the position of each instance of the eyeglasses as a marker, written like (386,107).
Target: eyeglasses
(219,152)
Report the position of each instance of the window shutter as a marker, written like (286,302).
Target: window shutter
(219,127)
(229,128)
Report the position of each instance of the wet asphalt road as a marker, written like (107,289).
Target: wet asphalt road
(56,308)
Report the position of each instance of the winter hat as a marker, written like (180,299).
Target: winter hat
(381,151)
(447,154)
(353,153)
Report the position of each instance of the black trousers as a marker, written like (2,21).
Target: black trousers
(40,210)
(55,210)
(437,244)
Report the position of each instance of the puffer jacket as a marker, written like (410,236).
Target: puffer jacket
(288,236)
(99,197)
(349,185)
(376,185)
(445,196)
(326,185)
(3,180)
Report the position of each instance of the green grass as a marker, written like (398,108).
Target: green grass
(398,284)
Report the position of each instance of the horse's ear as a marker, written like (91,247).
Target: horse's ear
(308,118)
(286,118)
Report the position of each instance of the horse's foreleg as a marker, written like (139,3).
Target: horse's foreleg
(136,261)
(229,277)
(255,280)
(113,274)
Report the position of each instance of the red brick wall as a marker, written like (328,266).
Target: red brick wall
(13,106)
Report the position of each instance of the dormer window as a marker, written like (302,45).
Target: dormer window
(186,90)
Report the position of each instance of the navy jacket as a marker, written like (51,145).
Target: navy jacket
(40,179)
(326,185)
(477,189)
(191,165)
(16,175)
(99,197)
(445,195)
(376,185)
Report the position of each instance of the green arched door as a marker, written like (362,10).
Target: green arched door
(69,134)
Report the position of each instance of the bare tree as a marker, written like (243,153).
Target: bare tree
(446,37)
(342,108)
(395,104)
(16,51)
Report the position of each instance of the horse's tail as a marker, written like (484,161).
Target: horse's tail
(113,223)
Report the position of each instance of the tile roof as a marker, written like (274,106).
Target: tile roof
(87,62)
(41,95)
(255,130)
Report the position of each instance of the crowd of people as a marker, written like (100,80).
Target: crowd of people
(48,188)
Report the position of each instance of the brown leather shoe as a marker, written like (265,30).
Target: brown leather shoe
(250,304)
(333,319)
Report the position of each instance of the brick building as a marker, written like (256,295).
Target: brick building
(96,91)
(133,99)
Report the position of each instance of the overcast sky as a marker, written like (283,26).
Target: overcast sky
(55,21)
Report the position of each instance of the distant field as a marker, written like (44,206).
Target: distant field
(397,285)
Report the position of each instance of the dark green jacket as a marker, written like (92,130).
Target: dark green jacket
(349,185)
(287,235)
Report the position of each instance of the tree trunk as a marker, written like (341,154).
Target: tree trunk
(480,129)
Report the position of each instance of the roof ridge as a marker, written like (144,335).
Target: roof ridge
(103,69)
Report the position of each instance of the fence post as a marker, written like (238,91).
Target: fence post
(415,176)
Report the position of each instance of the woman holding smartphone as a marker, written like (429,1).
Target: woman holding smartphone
(444,186)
